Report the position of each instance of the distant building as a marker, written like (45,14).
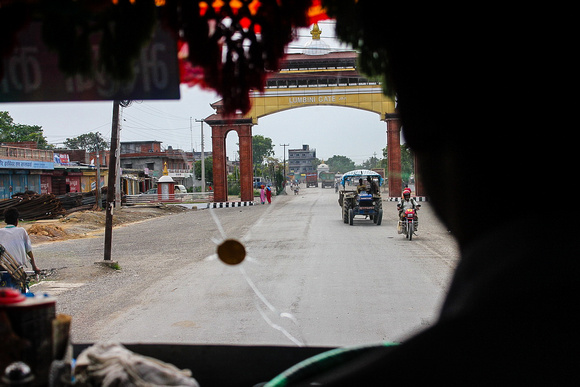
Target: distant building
(23,168)
(147,156)
(75,171)
(301,161)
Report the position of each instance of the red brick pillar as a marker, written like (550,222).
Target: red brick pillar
(394,155)
(419,189)
(246,163)
(220,176)
(220,127)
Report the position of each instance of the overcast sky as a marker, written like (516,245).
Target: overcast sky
(331,131)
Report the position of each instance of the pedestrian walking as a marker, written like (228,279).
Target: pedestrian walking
(269,194)
(262,194)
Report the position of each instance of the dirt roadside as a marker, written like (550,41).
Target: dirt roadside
(83,224)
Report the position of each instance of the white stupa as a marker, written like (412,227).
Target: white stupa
(322,168)
(316,46)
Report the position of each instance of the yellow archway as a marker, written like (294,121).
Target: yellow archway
(365,97)
(319,76)
(315,77)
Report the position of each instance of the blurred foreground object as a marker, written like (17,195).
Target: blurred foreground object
(111,364)
(228,46)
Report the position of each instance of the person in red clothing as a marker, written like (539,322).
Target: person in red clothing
(269,194)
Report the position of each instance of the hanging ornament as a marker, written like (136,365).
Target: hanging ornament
(226,45)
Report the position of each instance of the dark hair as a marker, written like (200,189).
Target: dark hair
(11,216)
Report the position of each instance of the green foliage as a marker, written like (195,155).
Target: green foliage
(340,164)
(233,184)
(262,147)
(316,162)
(371,162)
(12,132)
(279,179)
(407,162)
(208,169)
(91,142)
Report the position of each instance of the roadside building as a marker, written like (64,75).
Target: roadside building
(149,159)
(22,167)
(75,170)
(62,171)
(301,161)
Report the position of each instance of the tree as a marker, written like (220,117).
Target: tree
(316,162)
(261,148)
(279,178)
(91,142)
(12,132)
(340,164)
(208,169)
(273,171)
(407,162)
(370,163)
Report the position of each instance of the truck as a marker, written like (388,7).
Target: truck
(311,180)
(326,179)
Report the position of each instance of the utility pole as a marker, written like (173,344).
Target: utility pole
(191,134)
(284,145)
(111,181)
(98,182)
(192,155)
(284,174)
(114,169)
(118,172)
(202,158)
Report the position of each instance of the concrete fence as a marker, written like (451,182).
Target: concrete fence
(192,197)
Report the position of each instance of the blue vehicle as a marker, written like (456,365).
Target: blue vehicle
(362,199)
(259,182)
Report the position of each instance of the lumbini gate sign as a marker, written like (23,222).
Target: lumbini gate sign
(314,78)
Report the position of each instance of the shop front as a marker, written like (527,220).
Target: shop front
(18,181)
(21,170)
(65,180)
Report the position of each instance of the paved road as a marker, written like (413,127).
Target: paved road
(309,278)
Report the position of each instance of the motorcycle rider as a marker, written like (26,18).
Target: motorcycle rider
(408,203)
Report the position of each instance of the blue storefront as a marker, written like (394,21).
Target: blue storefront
(21,175)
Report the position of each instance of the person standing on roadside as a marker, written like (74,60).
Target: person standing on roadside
(262,194)
(269,194)
(16,240)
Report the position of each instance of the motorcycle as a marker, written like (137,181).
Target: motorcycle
(409,224)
